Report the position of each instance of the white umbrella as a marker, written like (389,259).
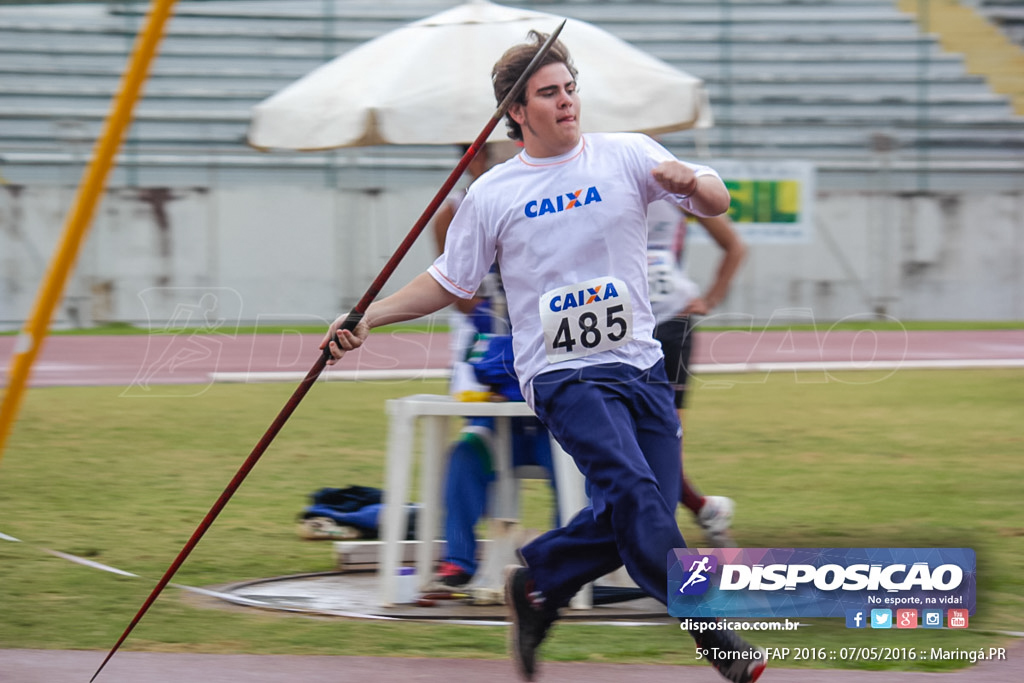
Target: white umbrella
(429,83)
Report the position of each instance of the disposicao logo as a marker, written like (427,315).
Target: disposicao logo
(562,202)
(818,582)
(893,577)
(698,567)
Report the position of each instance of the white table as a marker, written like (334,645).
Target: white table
(434,411)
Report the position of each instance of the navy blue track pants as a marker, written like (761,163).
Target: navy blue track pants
(620,425)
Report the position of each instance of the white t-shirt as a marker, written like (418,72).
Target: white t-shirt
(570,236)
(671,289)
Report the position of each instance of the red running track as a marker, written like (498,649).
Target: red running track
(143,361)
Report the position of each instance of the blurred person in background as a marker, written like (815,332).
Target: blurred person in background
(482,369)
(676,301)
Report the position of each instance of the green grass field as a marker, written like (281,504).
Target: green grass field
(915,458)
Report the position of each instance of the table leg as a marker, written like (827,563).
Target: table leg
(433,464)
(572,498)
(506,488)
(572,492)
(504,531)
(398,468)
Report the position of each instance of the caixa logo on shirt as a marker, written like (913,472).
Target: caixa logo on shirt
(562,202)
(563,301)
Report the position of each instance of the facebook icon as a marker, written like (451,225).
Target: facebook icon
(855,618)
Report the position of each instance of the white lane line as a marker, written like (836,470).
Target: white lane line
(698,369)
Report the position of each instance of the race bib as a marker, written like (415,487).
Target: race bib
(586,318)
(660,274)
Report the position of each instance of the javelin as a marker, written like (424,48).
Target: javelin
(351,320)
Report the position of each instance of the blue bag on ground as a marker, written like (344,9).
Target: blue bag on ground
(358,507)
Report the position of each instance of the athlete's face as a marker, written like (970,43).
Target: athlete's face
(550,119)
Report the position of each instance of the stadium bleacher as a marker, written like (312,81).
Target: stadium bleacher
(1008,15)
(824,80)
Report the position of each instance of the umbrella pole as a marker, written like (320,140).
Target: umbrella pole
(351,320)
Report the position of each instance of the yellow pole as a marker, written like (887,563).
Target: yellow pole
(94,179)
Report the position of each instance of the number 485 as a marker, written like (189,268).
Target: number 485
(590,330)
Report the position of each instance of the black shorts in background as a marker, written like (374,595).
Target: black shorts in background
(676,337)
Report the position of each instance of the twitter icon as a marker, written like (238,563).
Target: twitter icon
(881,618)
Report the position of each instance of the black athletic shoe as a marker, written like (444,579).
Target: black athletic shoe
(734,658)
(451,575)
(530,619)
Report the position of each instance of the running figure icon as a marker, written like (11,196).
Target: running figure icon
(697,570)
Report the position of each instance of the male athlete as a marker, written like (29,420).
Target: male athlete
(566,221)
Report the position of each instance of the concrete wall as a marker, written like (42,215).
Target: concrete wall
(158,255)
(920,256)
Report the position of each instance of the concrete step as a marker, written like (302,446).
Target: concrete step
(987,50)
